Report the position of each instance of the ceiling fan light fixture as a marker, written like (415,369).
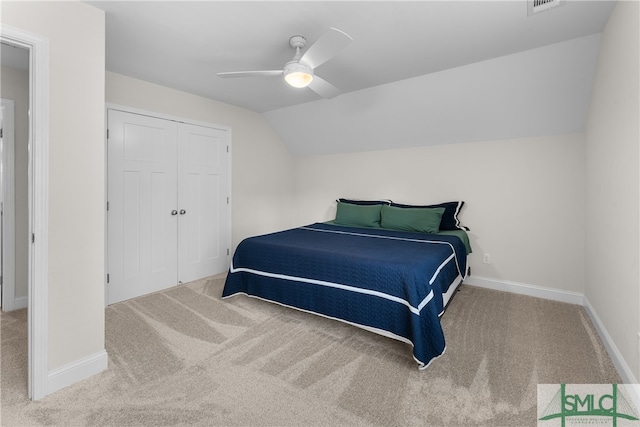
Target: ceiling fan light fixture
(298,75)
(298,79)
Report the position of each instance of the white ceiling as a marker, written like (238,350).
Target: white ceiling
(183,44)
(536,93)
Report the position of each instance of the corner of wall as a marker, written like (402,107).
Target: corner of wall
(613,180)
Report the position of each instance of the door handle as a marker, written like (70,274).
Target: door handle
(174,212)
(182,212)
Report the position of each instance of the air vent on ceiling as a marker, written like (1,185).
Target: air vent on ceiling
(535,6)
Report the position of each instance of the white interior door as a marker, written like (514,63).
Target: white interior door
(142,202)
(202,199)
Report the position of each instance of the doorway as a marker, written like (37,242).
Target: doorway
(14,141)
(7,199)
(37,203)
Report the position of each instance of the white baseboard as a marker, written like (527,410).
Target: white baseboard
(77,371)
(21,302)
(621,365)
(524,289)
(569,297)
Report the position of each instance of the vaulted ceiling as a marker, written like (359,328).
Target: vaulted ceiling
(402,54)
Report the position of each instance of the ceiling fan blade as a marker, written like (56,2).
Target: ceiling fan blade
(323,88)
(329,44)
(264,73)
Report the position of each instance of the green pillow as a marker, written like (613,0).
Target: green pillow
(358,215)
(423,220)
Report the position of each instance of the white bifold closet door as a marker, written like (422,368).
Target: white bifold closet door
(167,203)
(202,201)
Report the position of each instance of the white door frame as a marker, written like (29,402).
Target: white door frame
(8,206)
(38,196)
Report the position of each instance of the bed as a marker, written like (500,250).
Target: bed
(393,282)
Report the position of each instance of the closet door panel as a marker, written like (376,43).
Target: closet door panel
(202,196)
(130,228)
(163,225)
(142,193)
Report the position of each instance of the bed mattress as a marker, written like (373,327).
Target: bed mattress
(393,283)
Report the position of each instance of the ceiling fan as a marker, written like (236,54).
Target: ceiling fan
(299,72)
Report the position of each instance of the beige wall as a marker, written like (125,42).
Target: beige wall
(14,84)
(262,168)
(493,177)
(76,35)
(524,199)
(613,186)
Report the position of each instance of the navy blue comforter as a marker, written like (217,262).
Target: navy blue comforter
(389,282)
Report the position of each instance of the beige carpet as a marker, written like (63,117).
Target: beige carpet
(185,357)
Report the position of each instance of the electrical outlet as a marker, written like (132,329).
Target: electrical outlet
(486,258)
